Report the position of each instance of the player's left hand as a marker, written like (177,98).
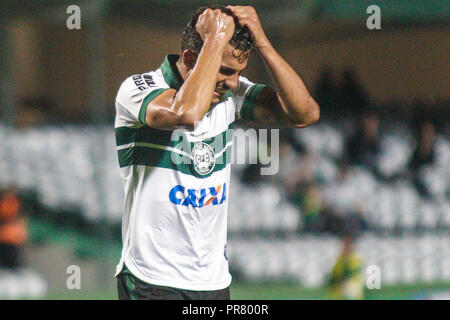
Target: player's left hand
(247,16)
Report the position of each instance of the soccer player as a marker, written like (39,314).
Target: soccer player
(174,229)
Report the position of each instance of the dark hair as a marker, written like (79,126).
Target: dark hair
(191,40)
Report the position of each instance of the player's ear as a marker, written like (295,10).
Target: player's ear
(189,59)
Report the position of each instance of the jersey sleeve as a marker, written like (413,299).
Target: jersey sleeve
(133,97)
(246,95)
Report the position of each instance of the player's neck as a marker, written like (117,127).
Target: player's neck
(182,69)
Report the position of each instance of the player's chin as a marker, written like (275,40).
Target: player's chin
(216,98)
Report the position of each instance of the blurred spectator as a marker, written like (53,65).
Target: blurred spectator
(288,136)
(251,175)
(346,279)
(351,94)
(34,111)
(423,111)
(289,166)
(312,208)
(296,172)
(325,92)
(288,161)
(343,205)
(424,153)
(363,147)
(13,230)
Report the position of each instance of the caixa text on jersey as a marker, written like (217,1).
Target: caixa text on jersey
(181,195)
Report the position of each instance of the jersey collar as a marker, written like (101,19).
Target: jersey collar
(170,72)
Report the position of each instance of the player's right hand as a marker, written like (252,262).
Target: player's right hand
(216,25)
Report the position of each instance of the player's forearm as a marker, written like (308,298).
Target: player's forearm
(291,90)
(193,99)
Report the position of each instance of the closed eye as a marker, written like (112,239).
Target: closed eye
(229,71)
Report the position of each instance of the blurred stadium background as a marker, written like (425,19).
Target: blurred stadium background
(368,185)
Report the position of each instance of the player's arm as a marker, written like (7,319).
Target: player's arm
(289,104)
(188,105)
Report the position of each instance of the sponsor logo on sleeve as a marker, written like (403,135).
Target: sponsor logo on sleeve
(143,81)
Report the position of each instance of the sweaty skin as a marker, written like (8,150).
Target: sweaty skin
(290,104)
(172,109)
(216,69)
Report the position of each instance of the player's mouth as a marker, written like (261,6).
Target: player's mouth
(219,93)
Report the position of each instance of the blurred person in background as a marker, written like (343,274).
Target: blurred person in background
(351,96)
(424,154)
(296,177)
(422,111)
(326,92)
(312,207)
(342,204)
(343,211)
(289,169)
(363,147)
(174,238)
(251,174)
(346,280)
(13,230)
(34,111)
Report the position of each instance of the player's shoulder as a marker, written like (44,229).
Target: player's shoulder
(138,86)
(143,81)
(243,86)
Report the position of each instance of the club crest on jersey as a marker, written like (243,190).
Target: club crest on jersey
(180,195)
(204,158)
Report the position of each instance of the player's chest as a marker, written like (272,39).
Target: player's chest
(216,121)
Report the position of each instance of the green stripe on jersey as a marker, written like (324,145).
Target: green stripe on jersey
(155,148)
(138,155)
(148,98)
(126,135)
(249,104)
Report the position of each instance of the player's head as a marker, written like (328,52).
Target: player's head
(242,38)
(235,55)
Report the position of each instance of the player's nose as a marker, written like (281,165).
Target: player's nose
(232,82)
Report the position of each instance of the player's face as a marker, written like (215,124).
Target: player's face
(231,67)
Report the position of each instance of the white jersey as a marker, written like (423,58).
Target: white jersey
(177,184)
